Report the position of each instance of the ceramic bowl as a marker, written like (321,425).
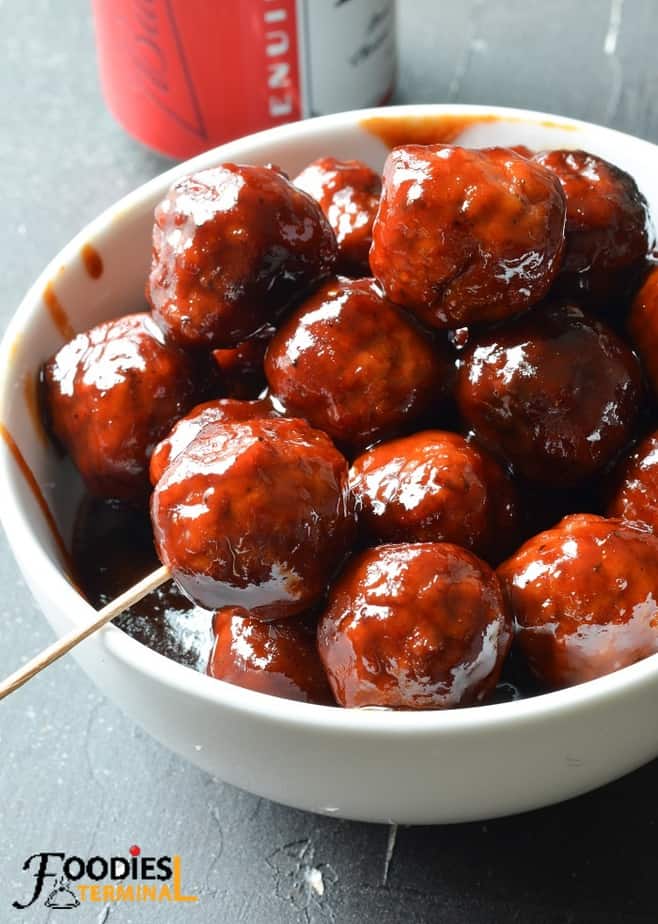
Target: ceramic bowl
(422,767)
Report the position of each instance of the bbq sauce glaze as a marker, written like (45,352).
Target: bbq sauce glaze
(113,548)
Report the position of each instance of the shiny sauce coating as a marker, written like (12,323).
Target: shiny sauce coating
(583,598)
(255,514)
(186,429)
(635,494)
(414,626)
(232,247)
(466,236)
(276,658)
(555,393)
(111,394)
(251,508)
(113,548)
(643,326)
(434,486)
(607,231)
(355,365)
(348,192)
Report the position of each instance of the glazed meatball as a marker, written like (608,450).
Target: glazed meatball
(583,598)
(555,393)
(607,222)
(348,192)
(434,486)
(414,626)
(276,658)
(232,247)
(241,367)
(635,497)
(221,410)
(254,514)
(464,236)
(110,395)
(643,326)
(354,365)
(522,149)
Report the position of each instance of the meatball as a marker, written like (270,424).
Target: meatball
(434,486)
(276,658)
(464,236)
(221,410)
(110,394)
(355,365)
(555,393)
(414,626)
(635,497)
(254,514)
(348,192)
(607,221)
(522,149)
(241,367)
(232,247)
(643,326)
(583,598)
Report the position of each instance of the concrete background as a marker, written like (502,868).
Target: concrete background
(75,774)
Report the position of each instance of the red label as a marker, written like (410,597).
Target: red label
(185,75)
(282,61)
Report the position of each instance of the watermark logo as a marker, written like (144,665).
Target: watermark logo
(64,882)
(62,896)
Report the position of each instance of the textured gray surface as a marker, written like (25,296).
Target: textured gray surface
(75,774)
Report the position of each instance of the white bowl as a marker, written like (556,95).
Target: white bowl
(423,767)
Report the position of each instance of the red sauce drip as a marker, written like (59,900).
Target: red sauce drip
(37,493)
(92,260)
(438,129)
(442,129)
(57,313)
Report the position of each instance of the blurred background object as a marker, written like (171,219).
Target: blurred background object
(183,76)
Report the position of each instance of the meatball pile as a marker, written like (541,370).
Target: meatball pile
(393,428)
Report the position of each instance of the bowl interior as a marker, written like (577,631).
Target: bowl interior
(68,297)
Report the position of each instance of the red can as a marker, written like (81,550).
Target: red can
(184,75)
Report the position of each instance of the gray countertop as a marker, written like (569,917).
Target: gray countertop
(77,775)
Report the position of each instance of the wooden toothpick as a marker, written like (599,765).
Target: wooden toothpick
(71,639)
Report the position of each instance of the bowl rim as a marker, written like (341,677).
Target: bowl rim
(160,669)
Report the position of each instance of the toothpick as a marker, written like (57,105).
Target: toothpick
(80,633)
